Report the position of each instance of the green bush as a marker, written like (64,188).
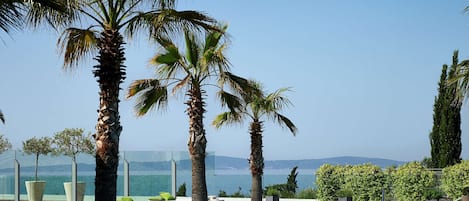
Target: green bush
(126,199)
(222,193)
(365,182)
(272,191)
(329,181)
(465,191)
(454,179)
(181,190)
(156,198)
(431,194)
(308,193)
(411,180)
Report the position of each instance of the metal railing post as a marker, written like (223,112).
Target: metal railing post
(173,177)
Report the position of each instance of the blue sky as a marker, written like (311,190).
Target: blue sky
(363,75)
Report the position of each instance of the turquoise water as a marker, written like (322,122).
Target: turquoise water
(150,185)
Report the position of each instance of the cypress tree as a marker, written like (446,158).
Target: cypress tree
(445,137)
(437,107)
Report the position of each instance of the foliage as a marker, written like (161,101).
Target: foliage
(222,193)
(292,184)
(433,193)
(455,178)
(279,189)
(166,196)
(2,117)
(71,142)
(287,190)
(4,144)
(308,193)
(271,191)
(127,199)
(445,137)
(465,191)
(181,190)
(366,182)
(411,180)
(38,146)
(236,194)
(329,181)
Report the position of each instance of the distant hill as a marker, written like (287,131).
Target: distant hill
(231,163)
(221,163)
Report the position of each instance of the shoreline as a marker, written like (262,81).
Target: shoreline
(24,197)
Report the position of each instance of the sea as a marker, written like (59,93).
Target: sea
(229,181)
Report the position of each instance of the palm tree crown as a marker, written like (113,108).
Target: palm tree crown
(255,105)
(202,63)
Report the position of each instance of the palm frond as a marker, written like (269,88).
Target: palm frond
(56,13)
(181,84)
(168,21)
(192,49)
(10,15)
(227,118)
(231,101)
(150,94)
(2,118)
(284,121)
(77,44)
(277,101)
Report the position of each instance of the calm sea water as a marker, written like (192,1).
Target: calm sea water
(150,185)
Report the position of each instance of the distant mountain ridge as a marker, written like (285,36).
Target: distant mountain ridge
(232,163)
(223,163)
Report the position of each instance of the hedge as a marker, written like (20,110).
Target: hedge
(454,179)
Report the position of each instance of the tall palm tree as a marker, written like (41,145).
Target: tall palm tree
(202,64)
(256,107)
(104,38)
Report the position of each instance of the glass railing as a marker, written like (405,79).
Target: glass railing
(149,172)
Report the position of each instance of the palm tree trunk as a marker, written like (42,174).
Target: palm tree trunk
(197,143)
(256,161)
(110,73)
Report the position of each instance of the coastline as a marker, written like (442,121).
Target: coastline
(24,197)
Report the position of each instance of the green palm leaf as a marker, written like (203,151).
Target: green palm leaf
(150,93)
(226,118)
(282,120)
(77,44)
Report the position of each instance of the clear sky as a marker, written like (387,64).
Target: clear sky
(363,74)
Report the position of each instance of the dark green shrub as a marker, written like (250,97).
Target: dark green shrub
(222,193)
(432,194)
(181,190)
(308,193)
(238,194)
(272,192)
(465,191)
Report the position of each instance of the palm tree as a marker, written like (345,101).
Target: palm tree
(202,63)
(104,39)
(256,107)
